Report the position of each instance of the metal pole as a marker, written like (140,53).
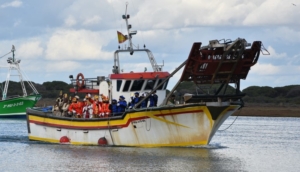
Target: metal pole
(165,80)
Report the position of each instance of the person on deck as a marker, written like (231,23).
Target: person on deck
(57,108)
(97,106)
(66,104)
(105,106)
(144,103)
(153,100)
(135,100)
(75,109)
(87,110)
(122,104)
(114,107)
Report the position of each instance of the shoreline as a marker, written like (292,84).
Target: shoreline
(268,110)
(250,109)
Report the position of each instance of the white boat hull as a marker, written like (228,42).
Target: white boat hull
(180,126)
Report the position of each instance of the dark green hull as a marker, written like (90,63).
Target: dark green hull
(16,107)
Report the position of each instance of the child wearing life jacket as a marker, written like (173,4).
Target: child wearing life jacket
(87,110)
(97,107)
(105,106)
(75,109)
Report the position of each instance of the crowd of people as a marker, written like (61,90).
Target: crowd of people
(99,106)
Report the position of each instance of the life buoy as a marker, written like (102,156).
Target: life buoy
(80,82)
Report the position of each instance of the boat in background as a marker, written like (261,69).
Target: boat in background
(192,123)
(16,105)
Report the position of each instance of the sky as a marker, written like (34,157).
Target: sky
(55,39)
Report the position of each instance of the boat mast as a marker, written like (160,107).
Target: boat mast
(14,65)
(126,17)
(131,50)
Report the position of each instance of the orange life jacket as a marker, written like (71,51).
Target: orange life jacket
(77,106)
(97,108)
(105,108)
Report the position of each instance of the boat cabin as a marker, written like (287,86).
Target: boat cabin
(125,84)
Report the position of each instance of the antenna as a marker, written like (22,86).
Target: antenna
(130,33)
(13,51)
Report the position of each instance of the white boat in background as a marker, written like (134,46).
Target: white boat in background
(189,124)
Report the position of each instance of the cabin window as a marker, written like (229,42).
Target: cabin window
(119,83)
(165,85)
(137,85)
(126,86)
(160,87)
(150,85)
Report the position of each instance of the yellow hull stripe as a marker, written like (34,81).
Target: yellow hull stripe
(144,145)
(151,114)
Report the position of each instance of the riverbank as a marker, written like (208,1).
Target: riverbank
(269,110)
(250,109)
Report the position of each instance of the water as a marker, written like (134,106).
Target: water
(250,144)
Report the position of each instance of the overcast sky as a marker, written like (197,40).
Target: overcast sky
(55,39)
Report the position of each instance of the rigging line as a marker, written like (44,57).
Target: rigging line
(5,55)
(232,122)
(26,78)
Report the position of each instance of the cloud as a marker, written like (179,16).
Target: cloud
(76,45)
(272,12)
(29,50)
(92,20)
(70,21)
(82,37)
(12,4)
(194,13)
(62,66)
(274,54)
(265,69)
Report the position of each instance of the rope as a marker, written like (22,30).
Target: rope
(4,55)
(149,123)
(232,122)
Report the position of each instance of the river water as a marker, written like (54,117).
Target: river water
(249,144)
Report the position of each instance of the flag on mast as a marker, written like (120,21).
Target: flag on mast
(121,38)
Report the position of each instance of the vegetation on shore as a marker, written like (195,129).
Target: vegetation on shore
(277,96)
(259,101)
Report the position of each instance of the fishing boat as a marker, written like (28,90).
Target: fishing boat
(15,105)
(190,123)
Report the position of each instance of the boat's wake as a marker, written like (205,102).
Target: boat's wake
(210,146)
(18,139)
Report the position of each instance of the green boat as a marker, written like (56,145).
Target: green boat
(16,105)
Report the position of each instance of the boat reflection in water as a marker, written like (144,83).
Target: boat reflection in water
(192,123)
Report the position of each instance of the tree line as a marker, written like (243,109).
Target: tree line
(47,89)
(254,94)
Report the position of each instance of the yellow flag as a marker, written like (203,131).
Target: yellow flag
(121,37)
